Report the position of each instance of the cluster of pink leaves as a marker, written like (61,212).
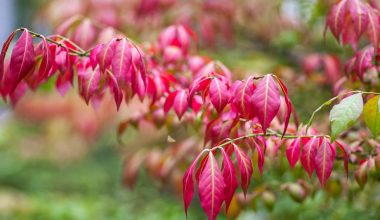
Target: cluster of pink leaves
(171,77)
(117,65)
(349,20)
(217,185)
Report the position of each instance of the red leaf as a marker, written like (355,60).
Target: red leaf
(94,54)
(219,129)
(359,15)
(211,188)
(259,144)
(308,155)
(293,152)
(18,93)
(245,167)
(122,60)
(289,105)
(336,18)
(349,36)
(105,55)
(138,61)
(266,101)
(201,168)
(188,184)
(324,161)
(4,50)
(47,61)
(373,27)
(219,94)
(181,103)
(345,156)
(22,62)
(364,61)
(88,82)
(261,157)
(138,85)
(64,82)
(229,178)
(196,103)
(169,101)
(199,84)
(116,90)
(243,98)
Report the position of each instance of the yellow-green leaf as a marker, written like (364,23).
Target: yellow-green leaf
(371,115)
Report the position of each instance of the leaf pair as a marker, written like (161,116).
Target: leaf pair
(213,86)
(316,154)
(216,185)
(178,99)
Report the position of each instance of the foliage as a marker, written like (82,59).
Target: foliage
(241,120)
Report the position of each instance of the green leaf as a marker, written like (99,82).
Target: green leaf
(344,114)
(371,115)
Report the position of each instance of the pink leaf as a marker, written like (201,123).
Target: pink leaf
(336,18)
(138,61)
(88,82)
(219,94)
(308,155)
(261,157)
(201,168)
(324,161)
(47,61)
(199,85)
(181,103)
(243,98)
(289,105)
(211,188)
(94,54)
(64,82)
(293,152)
(116,90)
(359,15)
(345,156)
(229,178)
(245,167)
(266,101)
(364,61)
(188,184)
(22,62)
(105,55)
(350,37)
(373,27)
(4,50)
(122,60)
(196,103)
(18,93)
(138,85)
(169,101)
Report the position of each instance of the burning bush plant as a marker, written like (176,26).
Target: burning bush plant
(235,123)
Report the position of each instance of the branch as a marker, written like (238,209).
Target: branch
(80,52)
(269,134)
(328,102)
